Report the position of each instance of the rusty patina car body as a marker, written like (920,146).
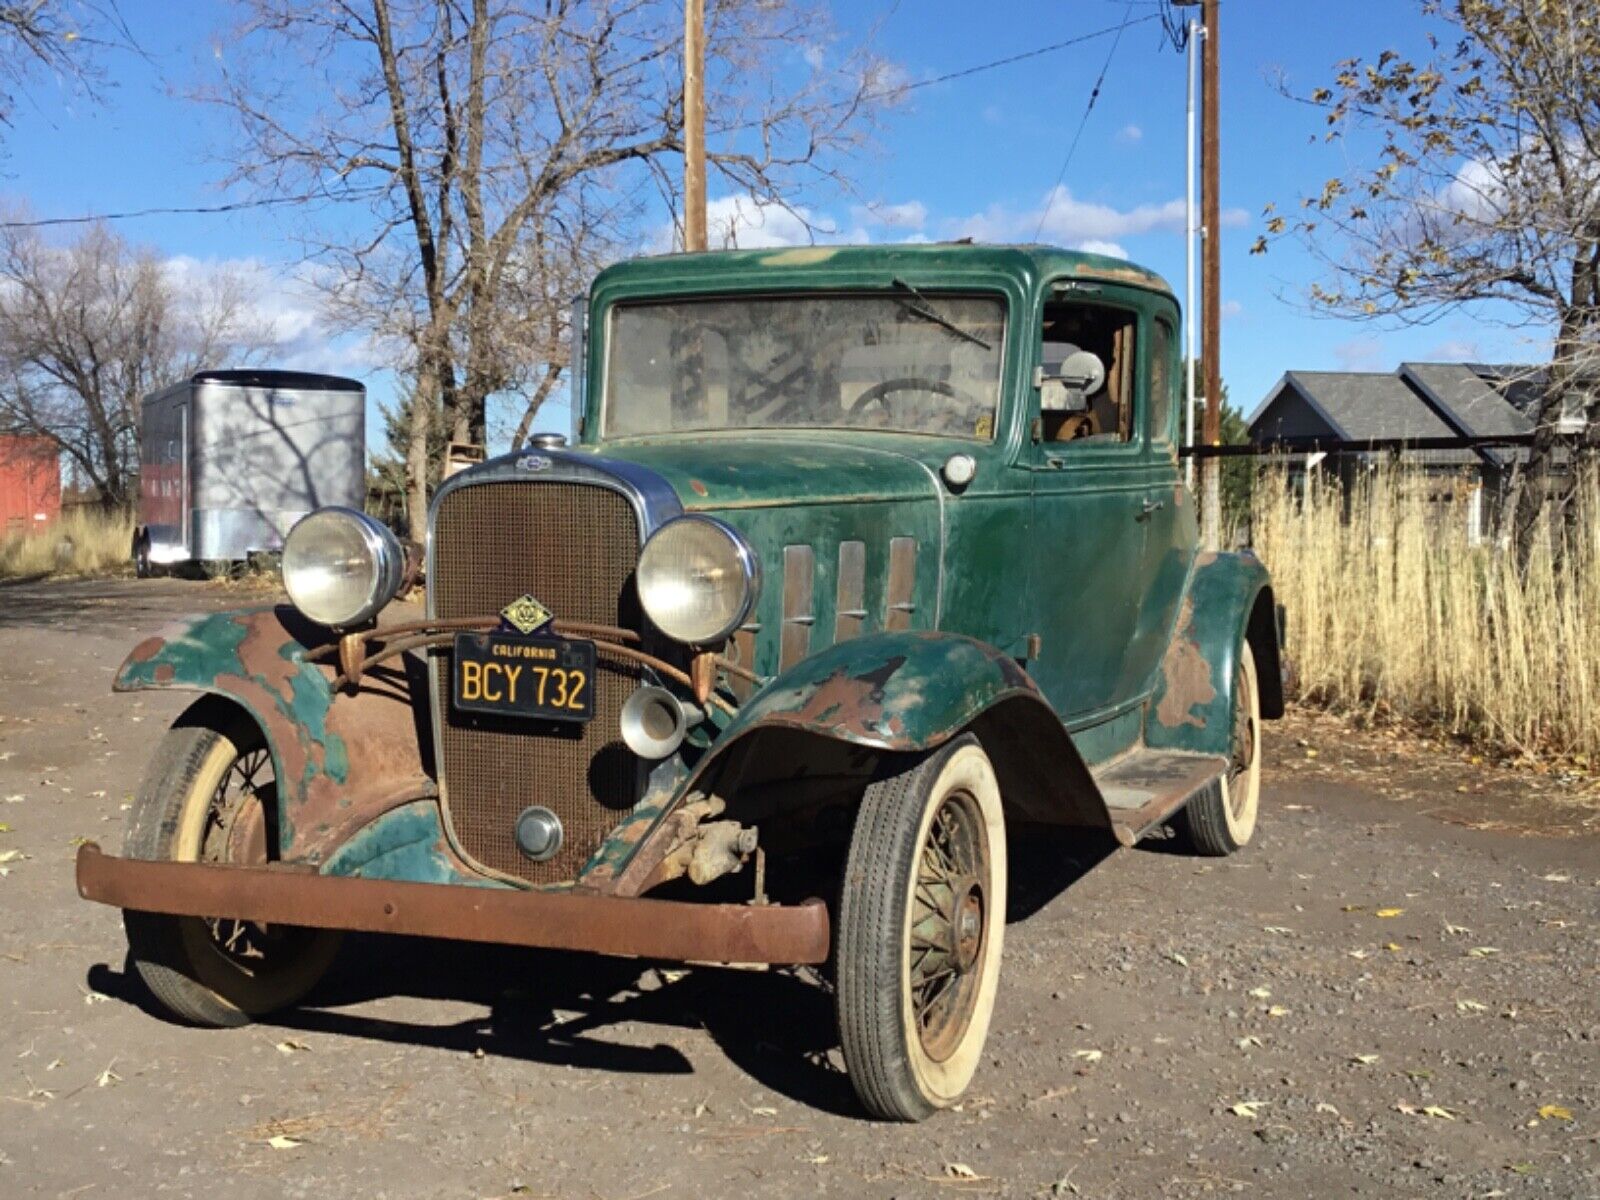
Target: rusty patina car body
(1022,575)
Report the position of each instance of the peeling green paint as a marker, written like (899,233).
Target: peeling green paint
(406,843)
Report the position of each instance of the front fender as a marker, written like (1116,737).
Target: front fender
(338,766)
(913,691)
(1228,602)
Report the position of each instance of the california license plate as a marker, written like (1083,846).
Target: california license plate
(544,677)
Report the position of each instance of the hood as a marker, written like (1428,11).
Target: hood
(720,472)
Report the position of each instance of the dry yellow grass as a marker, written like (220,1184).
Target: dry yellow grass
(82,542)
(1393,612)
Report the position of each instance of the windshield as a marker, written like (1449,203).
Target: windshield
(910,361)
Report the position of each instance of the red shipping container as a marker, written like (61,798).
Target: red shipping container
(30,483)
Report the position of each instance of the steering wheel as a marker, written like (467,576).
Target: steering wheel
(880,392)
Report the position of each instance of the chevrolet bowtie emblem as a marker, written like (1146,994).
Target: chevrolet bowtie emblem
(526,615)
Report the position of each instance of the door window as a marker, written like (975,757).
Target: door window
(1162,379)
(1088,374)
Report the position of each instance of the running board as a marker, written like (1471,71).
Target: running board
(1144,788)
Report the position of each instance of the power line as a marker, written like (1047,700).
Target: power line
(1094,94)
(884,94)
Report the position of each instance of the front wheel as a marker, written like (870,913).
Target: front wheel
(210,796)
(921,924)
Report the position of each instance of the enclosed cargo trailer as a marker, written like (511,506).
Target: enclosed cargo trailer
(230,460)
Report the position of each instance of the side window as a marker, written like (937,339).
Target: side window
(1162,378)
(1088,363)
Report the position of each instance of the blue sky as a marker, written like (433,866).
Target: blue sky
(974,156)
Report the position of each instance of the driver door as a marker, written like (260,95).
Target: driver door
(1093,497)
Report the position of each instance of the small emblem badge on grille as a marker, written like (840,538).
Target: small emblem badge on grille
(535,462)
(526,615)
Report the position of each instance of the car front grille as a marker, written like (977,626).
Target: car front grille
(573,547)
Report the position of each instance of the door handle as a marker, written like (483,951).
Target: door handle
(1151,506)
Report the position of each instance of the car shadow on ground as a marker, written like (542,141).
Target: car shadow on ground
(553,1007)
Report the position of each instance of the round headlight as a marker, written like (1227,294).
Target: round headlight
(698,580)
(340,566)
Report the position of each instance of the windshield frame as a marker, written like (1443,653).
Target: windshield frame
(887,292)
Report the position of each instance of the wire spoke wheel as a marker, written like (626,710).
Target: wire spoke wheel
(1222,818)
(921,922)
(947,925)
(211,796)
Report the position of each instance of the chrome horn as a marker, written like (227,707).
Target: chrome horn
(654,722)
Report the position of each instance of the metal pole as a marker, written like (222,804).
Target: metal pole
(1211,217)
(1190,337)
(694,126)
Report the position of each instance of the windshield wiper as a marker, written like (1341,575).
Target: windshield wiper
(927,313)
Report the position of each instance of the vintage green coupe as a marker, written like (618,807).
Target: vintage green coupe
(862,560)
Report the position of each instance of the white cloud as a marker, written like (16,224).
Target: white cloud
(913,214)
(287,306)
(1096,246)
(1130,133)
(1070,220)
(1359,354)
(740,222)
(815,56)
(1456,350)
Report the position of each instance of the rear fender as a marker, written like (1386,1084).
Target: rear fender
(338,765)
(1229,602)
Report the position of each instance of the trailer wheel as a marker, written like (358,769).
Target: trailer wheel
(141,552)
(207,798)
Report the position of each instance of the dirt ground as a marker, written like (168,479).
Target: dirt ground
(1392,992)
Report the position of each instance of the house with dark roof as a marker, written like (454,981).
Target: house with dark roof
(1420,400)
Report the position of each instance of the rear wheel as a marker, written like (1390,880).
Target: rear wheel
(209,797)
(921,925)
(1222,819)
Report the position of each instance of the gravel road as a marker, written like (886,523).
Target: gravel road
(1392,993)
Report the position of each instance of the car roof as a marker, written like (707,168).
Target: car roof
(924,258)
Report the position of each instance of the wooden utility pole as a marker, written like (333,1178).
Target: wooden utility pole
(1211,286)
(694,125)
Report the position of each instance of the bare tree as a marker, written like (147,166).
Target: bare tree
(58,37)
(502,148)
(1485,193)
(88,329)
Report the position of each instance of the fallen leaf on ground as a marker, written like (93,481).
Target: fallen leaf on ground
(290,1045)
(1556,877)
(1358,953)
(12,856)
(1260,993)
(1555,1112)
(1387,912)
(1470,1006)
(1249,1040)
(1456,929)
(107,1077)
(1277,1010)
(279,1141)
(816,1159)
(1278,929)
(961,1171)
(1088,1055)
(765,1112)
(1391,946)
(1352,907)
(1248,1108)
(1178,958)
(1324,1107)
(1437,1111)
(1366,1060)
(1483,951)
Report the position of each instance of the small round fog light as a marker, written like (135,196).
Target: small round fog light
(539,833)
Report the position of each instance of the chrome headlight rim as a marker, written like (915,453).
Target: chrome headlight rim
(749,568)
(384,551)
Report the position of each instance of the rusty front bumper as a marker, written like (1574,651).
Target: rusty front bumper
(667,929)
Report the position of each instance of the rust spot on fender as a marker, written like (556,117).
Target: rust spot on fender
(163,673)
(698,488)
(148,649)
(1186,674)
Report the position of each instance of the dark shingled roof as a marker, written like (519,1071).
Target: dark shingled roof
(1359,405)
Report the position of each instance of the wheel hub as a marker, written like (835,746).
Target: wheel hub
(966,930)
